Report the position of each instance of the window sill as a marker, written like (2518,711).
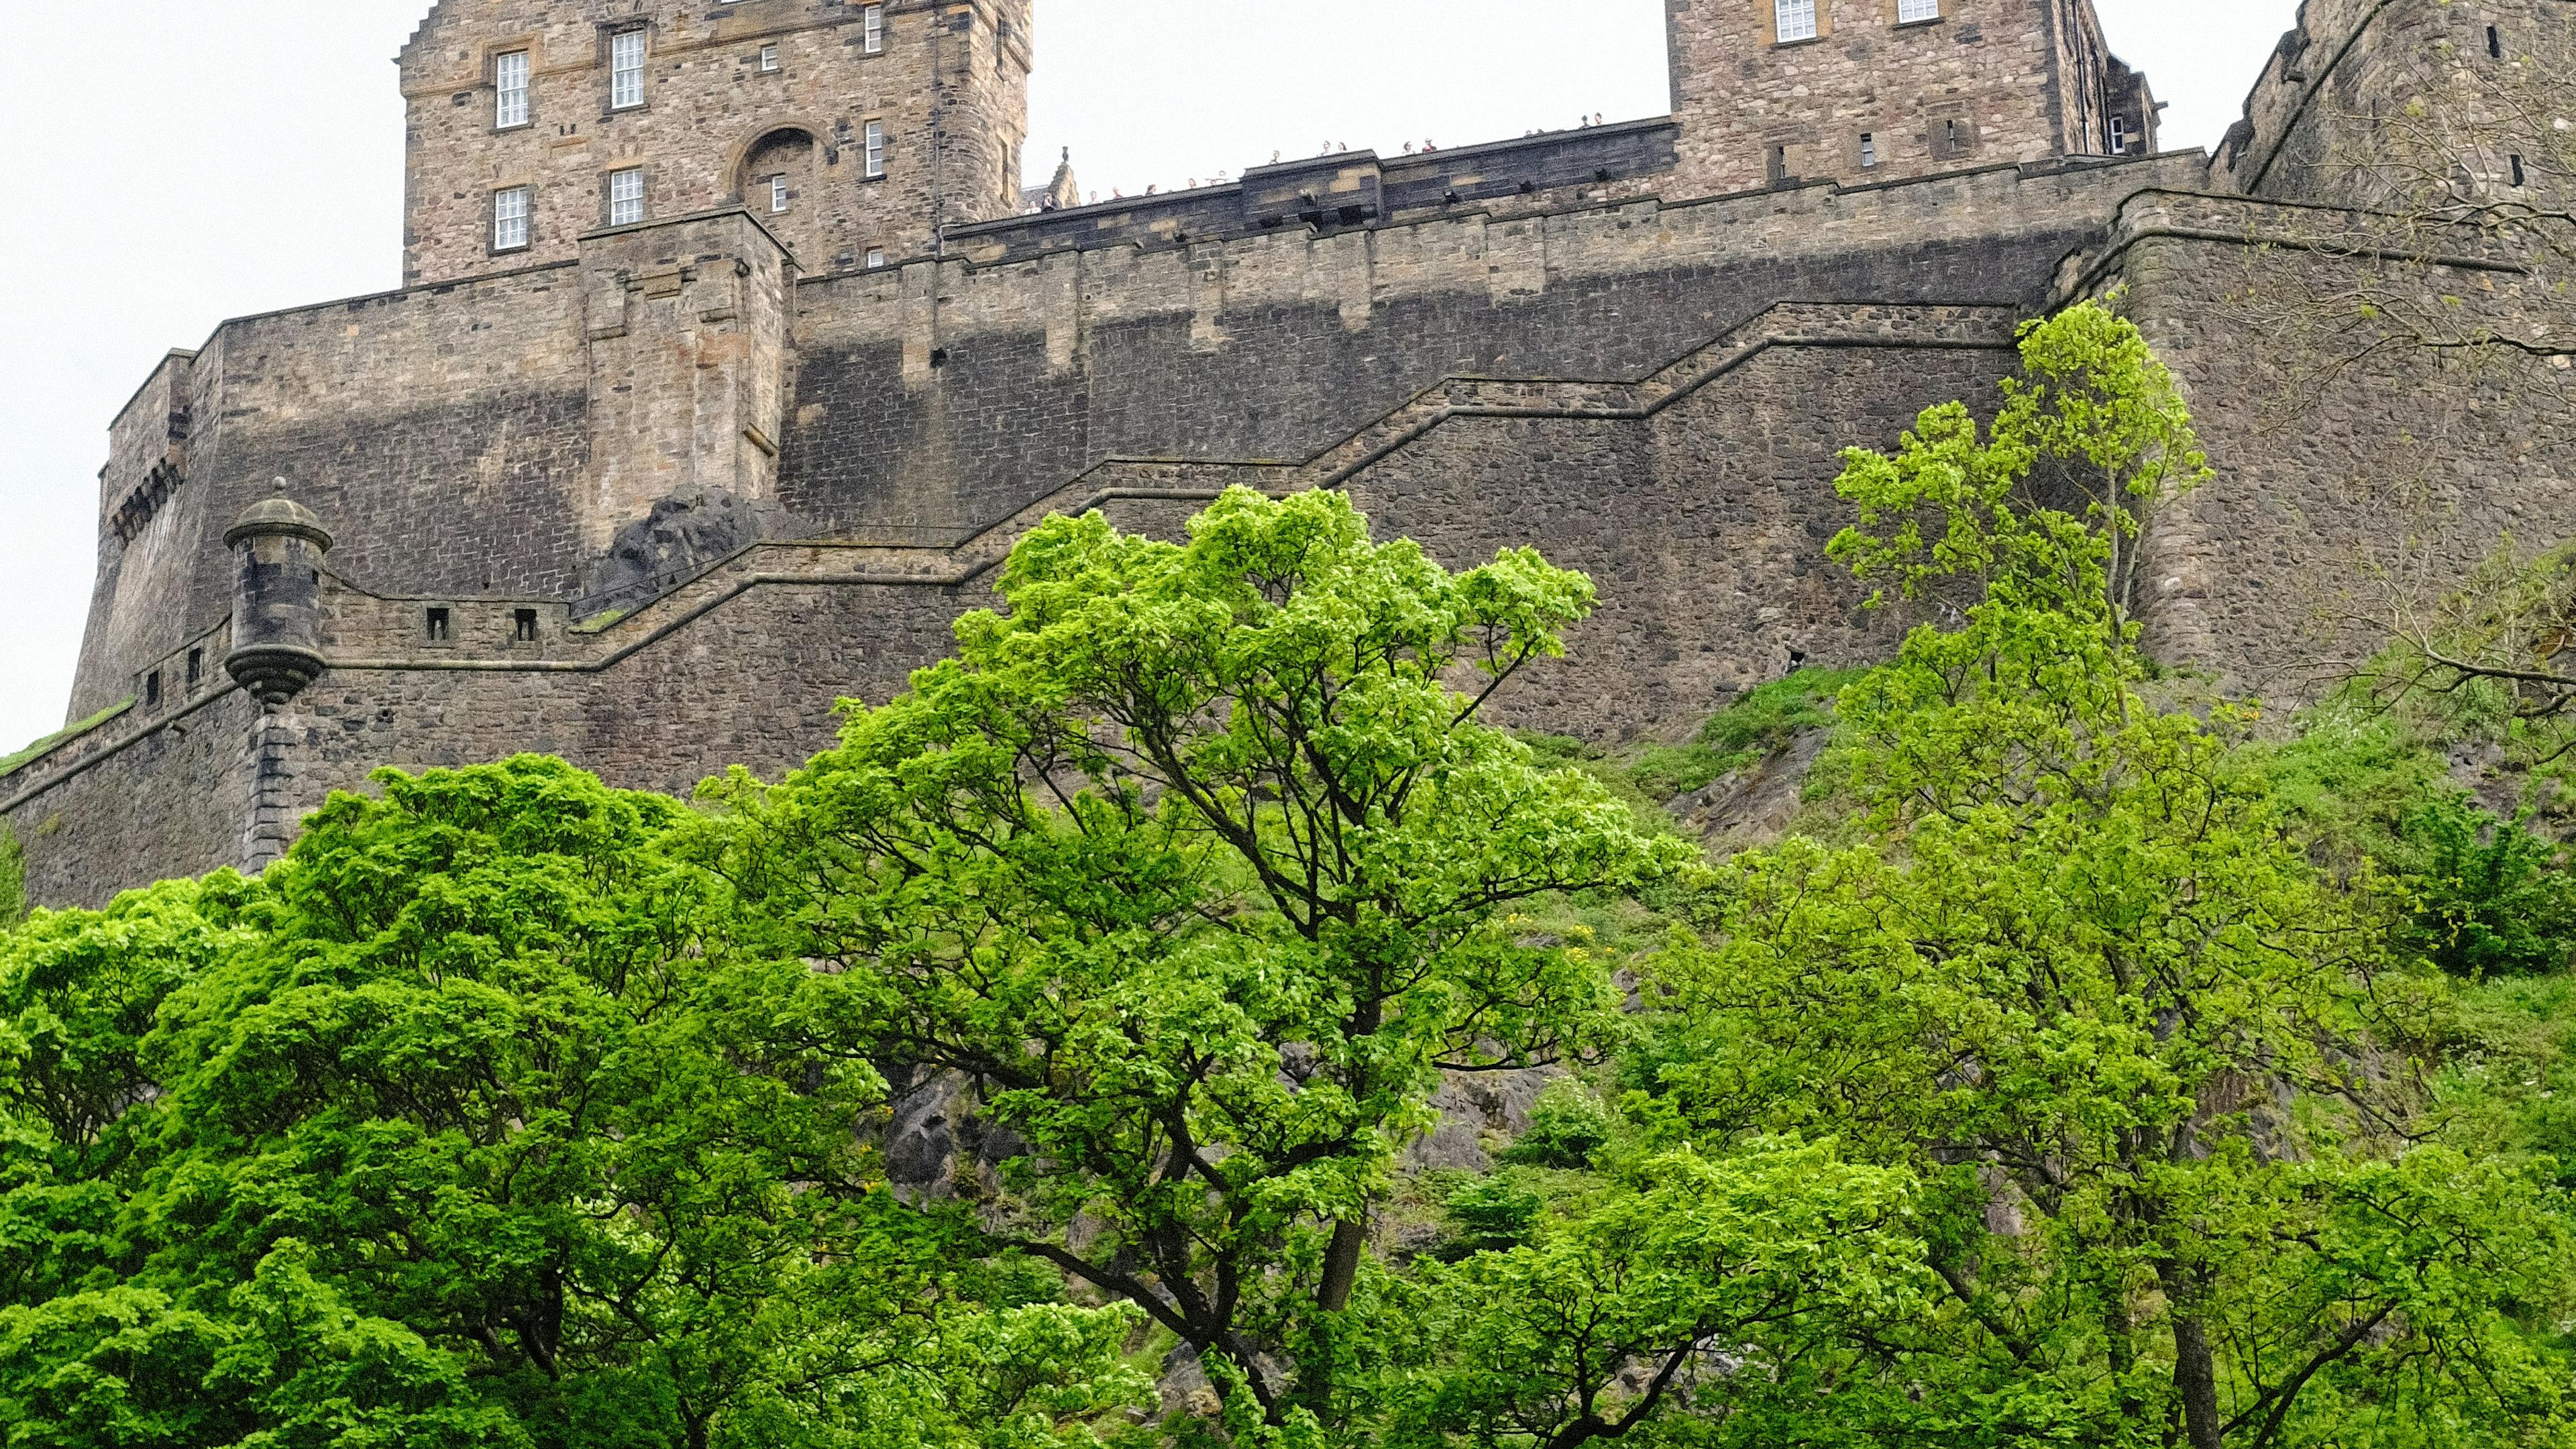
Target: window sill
(1794,44)
(521,126)
(1920,24)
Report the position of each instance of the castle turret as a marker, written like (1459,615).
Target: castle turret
(277,547)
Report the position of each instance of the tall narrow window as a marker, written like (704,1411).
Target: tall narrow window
(196,667)
(152,690)
(876,150)
(872,25)
(510,86)
(626,196)
(1797,19)
(2119,135)
(2520,177)
(626,69)
(777,193)
(1868,151)
(2495,43)
(523,626)
(510,219)
(1950,139)
(438,626)
(1909,11)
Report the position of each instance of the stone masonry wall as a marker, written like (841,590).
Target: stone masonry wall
(2358,85)
(714,123)
(1985,81)
(2403,461)
(446,426)
(932,400)
(486,439)
(1700,498)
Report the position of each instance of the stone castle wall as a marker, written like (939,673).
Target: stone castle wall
(1690,493)
(656,504)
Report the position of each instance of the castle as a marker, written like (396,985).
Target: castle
(731,356)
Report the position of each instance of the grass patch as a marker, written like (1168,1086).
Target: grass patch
(61,737)
(1760,724)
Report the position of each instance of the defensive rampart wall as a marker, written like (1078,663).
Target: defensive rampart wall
(1700,495)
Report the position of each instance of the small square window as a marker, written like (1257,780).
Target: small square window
(777,193)
(438,633)
(510,219)
(769,57)
(626,196)
(523,626)
(872,23)
(876,258)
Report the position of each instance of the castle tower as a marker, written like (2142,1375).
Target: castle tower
(2427,108)
(854,131)
(1775,91)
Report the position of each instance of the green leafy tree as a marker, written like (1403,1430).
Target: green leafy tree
(467,1124)
(1196,865)
(2153,1068)
(1680,1291)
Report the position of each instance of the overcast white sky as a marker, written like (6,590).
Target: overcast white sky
(211,161)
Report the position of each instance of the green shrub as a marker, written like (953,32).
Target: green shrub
(2492,898)
(1489,1215)
(1567,1126)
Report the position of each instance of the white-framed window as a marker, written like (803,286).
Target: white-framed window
(2119,135)
(509,219)
(1868,150)
(769,57)
(1909,11)
(626,69)
(876,258)
(626,196)
(1796,18)
(872,27)
(777,193)
(510,89)
(876,150)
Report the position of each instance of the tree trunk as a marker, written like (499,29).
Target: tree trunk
(1342,1264)
(2196,1381)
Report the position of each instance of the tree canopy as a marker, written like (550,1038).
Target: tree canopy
(2096,1062)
